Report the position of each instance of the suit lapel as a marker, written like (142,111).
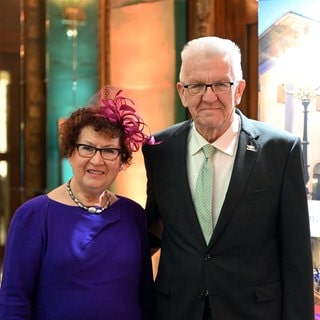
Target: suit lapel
(179,173)
(247,153)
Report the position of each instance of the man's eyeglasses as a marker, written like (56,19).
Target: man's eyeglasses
(200,88)
(89,151)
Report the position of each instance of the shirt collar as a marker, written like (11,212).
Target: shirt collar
(227,143)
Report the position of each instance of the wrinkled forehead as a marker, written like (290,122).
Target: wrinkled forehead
(206,66)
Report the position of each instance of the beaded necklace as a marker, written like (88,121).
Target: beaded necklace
(92,209)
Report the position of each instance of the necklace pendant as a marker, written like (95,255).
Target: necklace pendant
(92,210)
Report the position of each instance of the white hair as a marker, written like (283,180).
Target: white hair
(210,46)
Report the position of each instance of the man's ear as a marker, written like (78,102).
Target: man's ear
(182,94)
(239,91)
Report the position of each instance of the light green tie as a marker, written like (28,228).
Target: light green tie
(203,193)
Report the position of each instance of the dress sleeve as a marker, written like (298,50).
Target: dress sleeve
(22,259)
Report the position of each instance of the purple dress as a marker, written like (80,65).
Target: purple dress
(63,263)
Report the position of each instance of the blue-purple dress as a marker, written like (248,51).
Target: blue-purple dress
(63,263)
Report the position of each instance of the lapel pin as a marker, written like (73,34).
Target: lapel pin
(251,148)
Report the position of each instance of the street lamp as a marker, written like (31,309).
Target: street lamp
(305,103)
(304,95)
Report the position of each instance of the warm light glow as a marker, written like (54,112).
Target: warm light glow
(3,224)
(3,169)
(300,64)
(142,60)
(4,81)
(73,17)
(71,33)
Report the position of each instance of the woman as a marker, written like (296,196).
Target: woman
(81,252)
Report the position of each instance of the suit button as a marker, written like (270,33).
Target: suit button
(202,294)
(207,257)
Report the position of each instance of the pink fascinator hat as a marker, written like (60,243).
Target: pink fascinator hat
(119,110)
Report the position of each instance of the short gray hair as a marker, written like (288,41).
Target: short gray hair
(209,46)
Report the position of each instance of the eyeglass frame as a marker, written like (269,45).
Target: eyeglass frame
(213,87)
(78,145)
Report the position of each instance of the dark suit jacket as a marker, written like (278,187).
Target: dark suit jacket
(258,264)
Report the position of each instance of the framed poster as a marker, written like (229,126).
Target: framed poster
(289,92)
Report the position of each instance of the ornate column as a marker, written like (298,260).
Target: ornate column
(201,18)
(33,79)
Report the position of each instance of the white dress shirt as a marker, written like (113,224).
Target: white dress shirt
(226,148)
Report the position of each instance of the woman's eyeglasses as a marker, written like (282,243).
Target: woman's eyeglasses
(87,151)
